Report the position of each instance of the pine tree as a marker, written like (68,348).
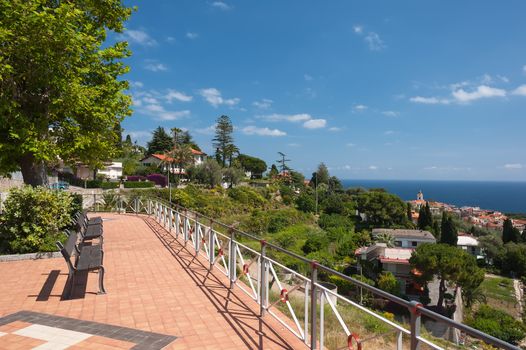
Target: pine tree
(436,230)
(223,140)
(509,233)
(160,143)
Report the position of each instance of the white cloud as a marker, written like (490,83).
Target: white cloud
(373,167)
(351,145)
(389,132)
(347,167)
(191,35)
(357,29)
(521,90)
(177,95)
(213,96)
(287,117)
(263,104)
(154,108)
(513,166)
(307,77)
(360,108)
(374,42)
(335,128)
(173,115)
(138,37)
(391,113)
(482,91)
(253,130)
(429,100)
(155,66)
(293,144)
(170,39)
(151,100)
(209,130)
(431,168)
(221,5)
(524,69)
(136,84)
(315,124)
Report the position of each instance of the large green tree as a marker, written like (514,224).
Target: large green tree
(448,264)
(510,233)
(382,209)
(223,140)
(255,165)
(425,218)
(448,230)
(320,176)
(160,143)
(61,95)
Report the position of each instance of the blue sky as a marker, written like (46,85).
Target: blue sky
(375,89)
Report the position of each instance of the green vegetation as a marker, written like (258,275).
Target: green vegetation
(498,324)
(138,184)
(499,288)
(34,218)
(160,143)
(61,91)
(448,231)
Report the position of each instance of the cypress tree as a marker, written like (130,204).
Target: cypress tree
(425,218)
(409,216)
(449,234)
(509,233)
(223,140)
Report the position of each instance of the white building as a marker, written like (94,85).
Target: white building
(156,159)
(406,238)
(112,170)
(470,244)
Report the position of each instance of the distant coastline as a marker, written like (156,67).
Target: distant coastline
(507,197)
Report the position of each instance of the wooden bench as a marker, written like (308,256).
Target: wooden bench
(87,258)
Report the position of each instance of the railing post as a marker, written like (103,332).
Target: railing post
(136,200)
(399,340)
(177,224)
(185,228)
(263,275)
(170,220)
(415,324)
(313,305)
(211,245)
(196,234)
(232,259)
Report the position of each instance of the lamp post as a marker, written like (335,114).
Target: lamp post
(316,190)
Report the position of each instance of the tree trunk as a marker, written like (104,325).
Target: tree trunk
(441,291)
(33,171)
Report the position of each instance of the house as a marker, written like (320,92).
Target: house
(470,244)
(157,159)
(394,260)
(111,170)
(406,238)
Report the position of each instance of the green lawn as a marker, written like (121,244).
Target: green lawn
(499,288)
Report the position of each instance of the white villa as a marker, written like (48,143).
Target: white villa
(156,159)
(406,238)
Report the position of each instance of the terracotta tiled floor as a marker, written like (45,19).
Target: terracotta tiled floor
(150,289)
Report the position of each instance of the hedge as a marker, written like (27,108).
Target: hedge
(138,184)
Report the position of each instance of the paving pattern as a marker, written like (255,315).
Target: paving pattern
(157,290)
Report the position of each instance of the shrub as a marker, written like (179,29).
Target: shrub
(248,196)
(138,184)
(109,185)
(136,178)
(498,324)
(158,179)
(33,219)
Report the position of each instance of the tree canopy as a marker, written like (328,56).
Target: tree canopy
(510,233)
(61,95)
(448,230)
(223,140)
(449,264)
(255,165)
(160,143)
(382,209)
(425,218)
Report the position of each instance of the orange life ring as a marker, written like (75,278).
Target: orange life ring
(284,295)
(350,339)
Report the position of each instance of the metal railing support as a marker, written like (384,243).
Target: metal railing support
(263,276)
(211,245)
(313,305)
(232,259)
(415,324)
(196,235)
(399,340)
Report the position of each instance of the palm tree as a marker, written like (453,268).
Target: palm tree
(182,157)
(386,238)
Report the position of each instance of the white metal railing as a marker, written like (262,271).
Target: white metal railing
(261,278)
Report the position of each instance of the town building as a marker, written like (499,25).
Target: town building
(469,244)
(406,238)
(157,159)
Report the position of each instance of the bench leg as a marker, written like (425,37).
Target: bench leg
(101,281)
(69,289)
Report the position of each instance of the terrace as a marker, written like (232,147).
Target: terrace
(178,280)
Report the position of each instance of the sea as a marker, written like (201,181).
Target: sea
(506,197)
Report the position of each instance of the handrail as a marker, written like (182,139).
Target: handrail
(415,309)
